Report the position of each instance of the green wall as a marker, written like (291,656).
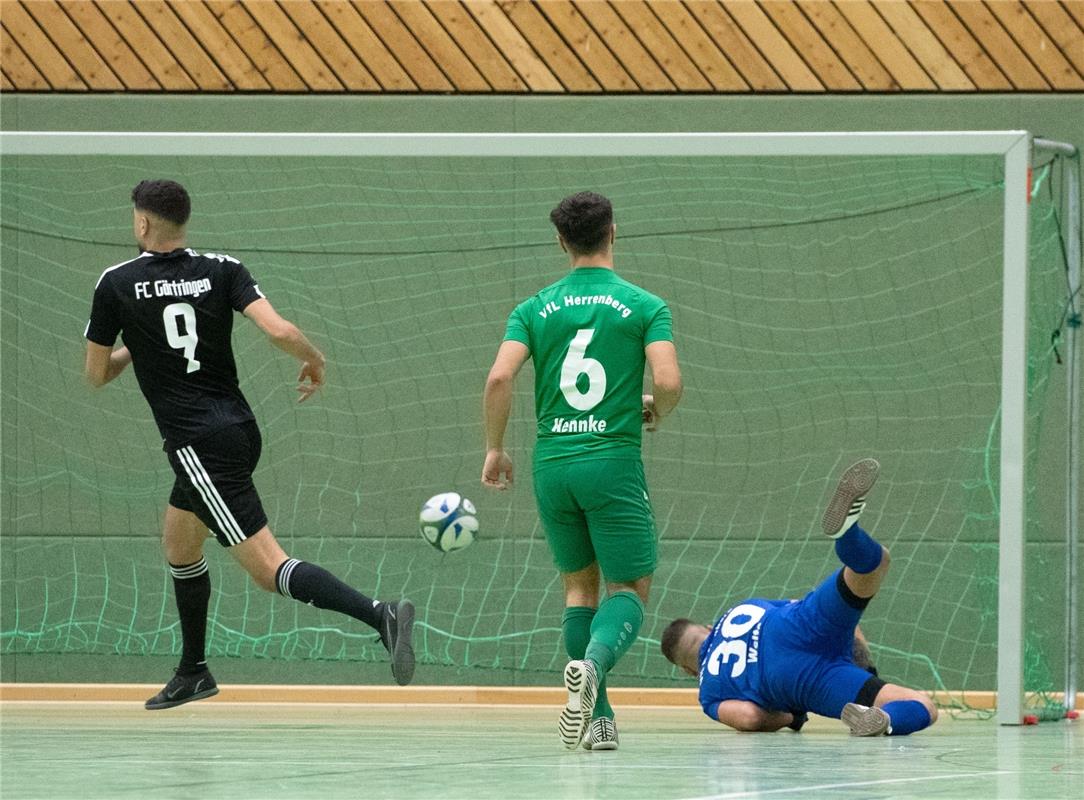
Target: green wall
(54,525)
(1056,116)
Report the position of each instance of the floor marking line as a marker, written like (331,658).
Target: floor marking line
(848,785)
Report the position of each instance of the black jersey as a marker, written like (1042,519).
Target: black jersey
(175,313)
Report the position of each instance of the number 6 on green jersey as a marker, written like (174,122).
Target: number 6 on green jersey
(577,364)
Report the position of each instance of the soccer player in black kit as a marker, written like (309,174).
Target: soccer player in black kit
(174,309)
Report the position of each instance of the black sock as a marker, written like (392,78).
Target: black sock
(311,584)
(192,585)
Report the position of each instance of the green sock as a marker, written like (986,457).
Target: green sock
(614,628)
(576,624)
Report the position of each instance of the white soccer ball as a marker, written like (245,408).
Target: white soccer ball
(449,521)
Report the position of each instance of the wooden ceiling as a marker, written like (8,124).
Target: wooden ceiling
(541,46)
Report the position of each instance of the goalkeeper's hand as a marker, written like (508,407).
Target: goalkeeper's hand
(800,719)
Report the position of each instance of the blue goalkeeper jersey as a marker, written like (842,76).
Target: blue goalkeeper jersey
(785,655)
(732,657)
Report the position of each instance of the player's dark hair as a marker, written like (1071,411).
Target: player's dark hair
(584,221)
(672,636)
(165,199)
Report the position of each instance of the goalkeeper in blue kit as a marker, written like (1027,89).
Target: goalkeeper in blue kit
(766,663)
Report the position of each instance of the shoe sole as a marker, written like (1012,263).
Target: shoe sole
(853,487)
(402,656)
(576,716)
(174,703)
(865,721)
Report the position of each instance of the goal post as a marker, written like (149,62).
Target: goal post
(1074,384)
(1014,148)
(1014,334)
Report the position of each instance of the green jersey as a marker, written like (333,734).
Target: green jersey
(587,334)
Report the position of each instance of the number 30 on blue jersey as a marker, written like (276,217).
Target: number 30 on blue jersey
(737,644)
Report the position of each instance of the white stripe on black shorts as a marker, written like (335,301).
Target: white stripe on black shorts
(214,481)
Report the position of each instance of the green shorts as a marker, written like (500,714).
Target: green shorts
(597,510)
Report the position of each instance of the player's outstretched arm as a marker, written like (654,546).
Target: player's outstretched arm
(744,715)
(103,363)
(496,408)
(666,382)
(288,337)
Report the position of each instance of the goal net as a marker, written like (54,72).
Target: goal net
(826,307)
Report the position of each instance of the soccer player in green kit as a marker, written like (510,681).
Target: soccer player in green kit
(590,334)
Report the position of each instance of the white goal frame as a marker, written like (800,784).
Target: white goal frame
(1013,147)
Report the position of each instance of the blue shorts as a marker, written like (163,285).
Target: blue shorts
(806,650)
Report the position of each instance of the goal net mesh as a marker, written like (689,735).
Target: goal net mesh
(825,309)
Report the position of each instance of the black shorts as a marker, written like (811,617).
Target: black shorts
(214,482)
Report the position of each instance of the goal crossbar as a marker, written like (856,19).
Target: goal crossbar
(517,145)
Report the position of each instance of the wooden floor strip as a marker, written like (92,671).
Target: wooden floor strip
(403,695)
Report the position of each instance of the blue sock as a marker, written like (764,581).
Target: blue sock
(858,550)
(907,716)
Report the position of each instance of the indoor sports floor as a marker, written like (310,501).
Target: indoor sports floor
(242,750)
